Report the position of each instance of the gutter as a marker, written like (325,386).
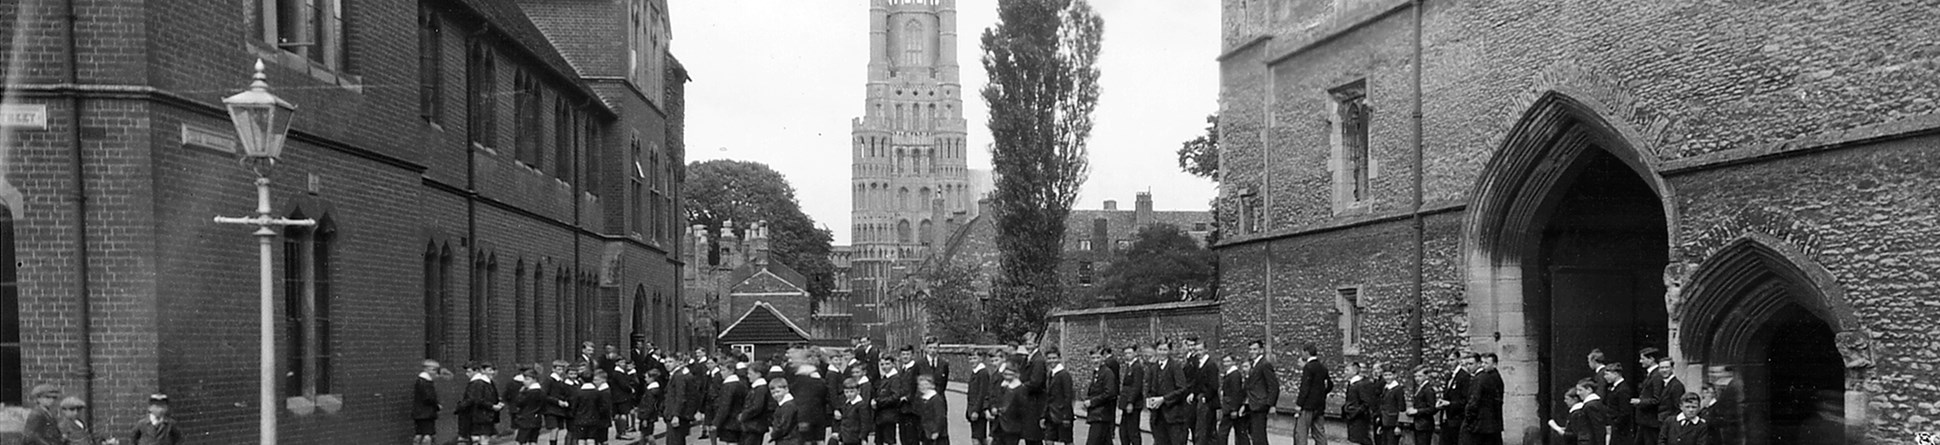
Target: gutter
(1414,205)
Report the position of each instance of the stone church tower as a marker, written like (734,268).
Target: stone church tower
(909,145)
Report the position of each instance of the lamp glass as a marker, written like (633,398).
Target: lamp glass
(262,120)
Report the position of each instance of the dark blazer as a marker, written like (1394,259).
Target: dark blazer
(528,406)
(683,397)
(1645,410)
(424,399)
(990,392)
(1058,399)
(1424,401)
(1031,399)
(756,410)
(150,433)
(934,366)
(1617,399)
(1667,400)
(1363,400)
(1103,394)
(1010,419)
(1484,411)
(1131,385)
(788,426)
(1586,426)
(813,398)
(653,397)
(870,357)
(1394,403)
(726,413)
(626,390)
(1678,433)
(592,407)
(1314,386)
(978,390)
(557,391)
(891,392)
(934,416)
(858,421)
(1232,392)
(1262,386)
(1174,382)
(1456,393)
(480,395)
(1205,381)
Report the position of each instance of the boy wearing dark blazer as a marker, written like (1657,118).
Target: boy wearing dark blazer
(974,398)
(1314,386)
(788,424)
(1687,427)
(758,409)
(1262,394)
(1232,404)
(424,404)
(933,412)
(1101,398)
(1363,406)
(1131,386)
(1421,406)
(1060,393)
(1394,400)
(856,418)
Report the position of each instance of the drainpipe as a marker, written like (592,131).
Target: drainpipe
(1414,119)
(81,277)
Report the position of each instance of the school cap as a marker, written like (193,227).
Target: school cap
(73,402)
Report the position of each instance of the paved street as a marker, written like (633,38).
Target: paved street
(959,429)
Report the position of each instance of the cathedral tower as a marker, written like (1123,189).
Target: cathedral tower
(909,146)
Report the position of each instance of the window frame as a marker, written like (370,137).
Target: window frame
(430,66)
(307,304)
(12,360)
(1349,310)
(320,42)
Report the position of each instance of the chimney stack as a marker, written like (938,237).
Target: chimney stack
(1111,204)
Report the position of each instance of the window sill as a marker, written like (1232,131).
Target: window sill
(307,405)
(296,62)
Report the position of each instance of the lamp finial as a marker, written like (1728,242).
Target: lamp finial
(261,81)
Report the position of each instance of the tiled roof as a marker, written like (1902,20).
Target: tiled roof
(589,33)
(780,270)
(505,17)
(763,324)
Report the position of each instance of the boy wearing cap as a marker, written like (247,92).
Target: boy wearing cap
(481,404)
(156,428)
(73,431)
(43,423)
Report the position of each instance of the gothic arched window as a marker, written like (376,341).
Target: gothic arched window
(912,43)
(902,231)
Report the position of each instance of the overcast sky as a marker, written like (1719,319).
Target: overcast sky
(777,81)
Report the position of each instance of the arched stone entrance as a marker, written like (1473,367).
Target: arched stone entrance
(1783,324)
(1565,241)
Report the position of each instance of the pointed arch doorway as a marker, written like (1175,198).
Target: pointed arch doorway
(1565,241)
(1762,316)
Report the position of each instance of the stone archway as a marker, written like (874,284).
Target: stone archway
(1783,323)
(1565,182)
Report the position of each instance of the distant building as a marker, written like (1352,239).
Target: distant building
(1092,238)
(909,147)
(761,332)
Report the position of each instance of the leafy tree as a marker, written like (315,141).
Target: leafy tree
(1163,264)
(1043,86)
(742,192)
(955,310)
(1200,156)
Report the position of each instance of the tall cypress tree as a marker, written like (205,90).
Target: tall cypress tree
(1041,58)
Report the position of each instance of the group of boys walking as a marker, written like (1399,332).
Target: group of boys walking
(1191,396)
(1609,408)
(1463,408)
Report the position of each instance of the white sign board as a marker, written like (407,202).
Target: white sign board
(24,116)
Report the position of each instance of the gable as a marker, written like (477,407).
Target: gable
(765,282)
(763,324)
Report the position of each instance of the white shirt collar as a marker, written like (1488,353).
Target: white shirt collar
(587,385)
(1682,418)
(731,378)
(1057,369)
(892,372)
(785,398)
(1354,379)
(979,368)
(424,375)
(1232,369)
(862,381)
(1618,382)
(154,419)
(481,378)
(929,395)
(1391,384)
(1578,406)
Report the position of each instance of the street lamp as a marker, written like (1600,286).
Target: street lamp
(262,120)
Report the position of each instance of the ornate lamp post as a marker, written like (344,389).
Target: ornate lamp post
(262,120)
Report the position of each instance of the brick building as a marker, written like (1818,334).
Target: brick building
(1093,237)
(464,159)
(1738,183)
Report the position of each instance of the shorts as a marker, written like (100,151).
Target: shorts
(594,432)
(483,429)
(427,427)
(527,435)
(557,422)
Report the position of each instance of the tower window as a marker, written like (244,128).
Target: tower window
(913,43)
(1352,117)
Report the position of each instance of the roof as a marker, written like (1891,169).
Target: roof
(763,324)
(506,18)
(776,268)
(589,33)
